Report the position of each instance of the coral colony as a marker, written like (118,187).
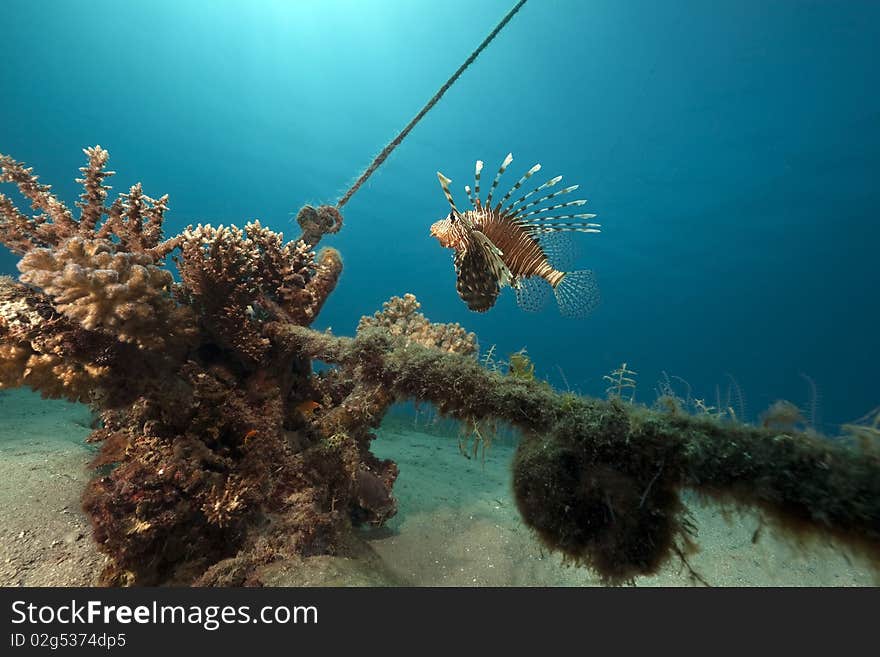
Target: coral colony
(223,451)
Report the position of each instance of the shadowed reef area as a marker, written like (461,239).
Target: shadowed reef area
(214,465)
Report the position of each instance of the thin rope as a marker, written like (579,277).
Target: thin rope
(394,143)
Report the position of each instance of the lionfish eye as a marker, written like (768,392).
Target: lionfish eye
(452,216)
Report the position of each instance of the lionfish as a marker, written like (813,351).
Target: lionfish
(512,244)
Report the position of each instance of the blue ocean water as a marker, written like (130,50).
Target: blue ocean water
(730,148)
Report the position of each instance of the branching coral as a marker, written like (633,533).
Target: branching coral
(239,278)
(103,277)
(199,411)
(400,316)
(101,288)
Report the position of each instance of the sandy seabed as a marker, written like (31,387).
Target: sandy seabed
(457,523)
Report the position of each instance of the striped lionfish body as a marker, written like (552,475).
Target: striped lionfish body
(511,243)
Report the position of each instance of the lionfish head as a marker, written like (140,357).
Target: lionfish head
(443,230)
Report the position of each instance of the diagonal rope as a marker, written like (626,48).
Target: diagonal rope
(394,143)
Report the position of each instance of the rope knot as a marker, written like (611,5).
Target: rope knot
(317,222)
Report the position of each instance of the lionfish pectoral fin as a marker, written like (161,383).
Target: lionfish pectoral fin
(494,260)
(577,294)
(475,282)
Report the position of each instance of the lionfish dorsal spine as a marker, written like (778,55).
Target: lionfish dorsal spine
(546,197)
(575,226)
(478,169)
(467,190)
(519,183)
(551,208)
(550,183)
(506,163)
(444,183)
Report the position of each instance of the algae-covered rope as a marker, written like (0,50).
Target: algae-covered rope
(601,481)
(418,117)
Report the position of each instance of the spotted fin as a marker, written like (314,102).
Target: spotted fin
(559,247)
(494,258)
(475,283)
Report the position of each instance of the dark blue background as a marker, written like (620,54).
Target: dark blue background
(731,149)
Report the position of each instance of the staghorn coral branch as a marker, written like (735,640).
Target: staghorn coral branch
(134,220)
(94,191)
(114,220)
(41,199)
(164,249)
(581,457)
(137,220)
(133,215)
(17,231)
(155,218)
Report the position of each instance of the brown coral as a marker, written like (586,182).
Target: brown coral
(237,279)
(400,316)
(41,349)
(105,277)
(123,293)
(200,413)
(327,273)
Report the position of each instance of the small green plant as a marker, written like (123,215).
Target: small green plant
(622,383)
(570,402)
(521,366)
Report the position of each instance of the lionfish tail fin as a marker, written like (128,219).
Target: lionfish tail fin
(444,183)
(577,294)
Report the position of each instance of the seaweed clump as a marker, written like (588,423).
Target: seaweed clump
(521,366)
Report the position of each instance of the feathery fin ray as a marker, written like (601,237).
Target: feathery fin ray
(577,294)
(532,294)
